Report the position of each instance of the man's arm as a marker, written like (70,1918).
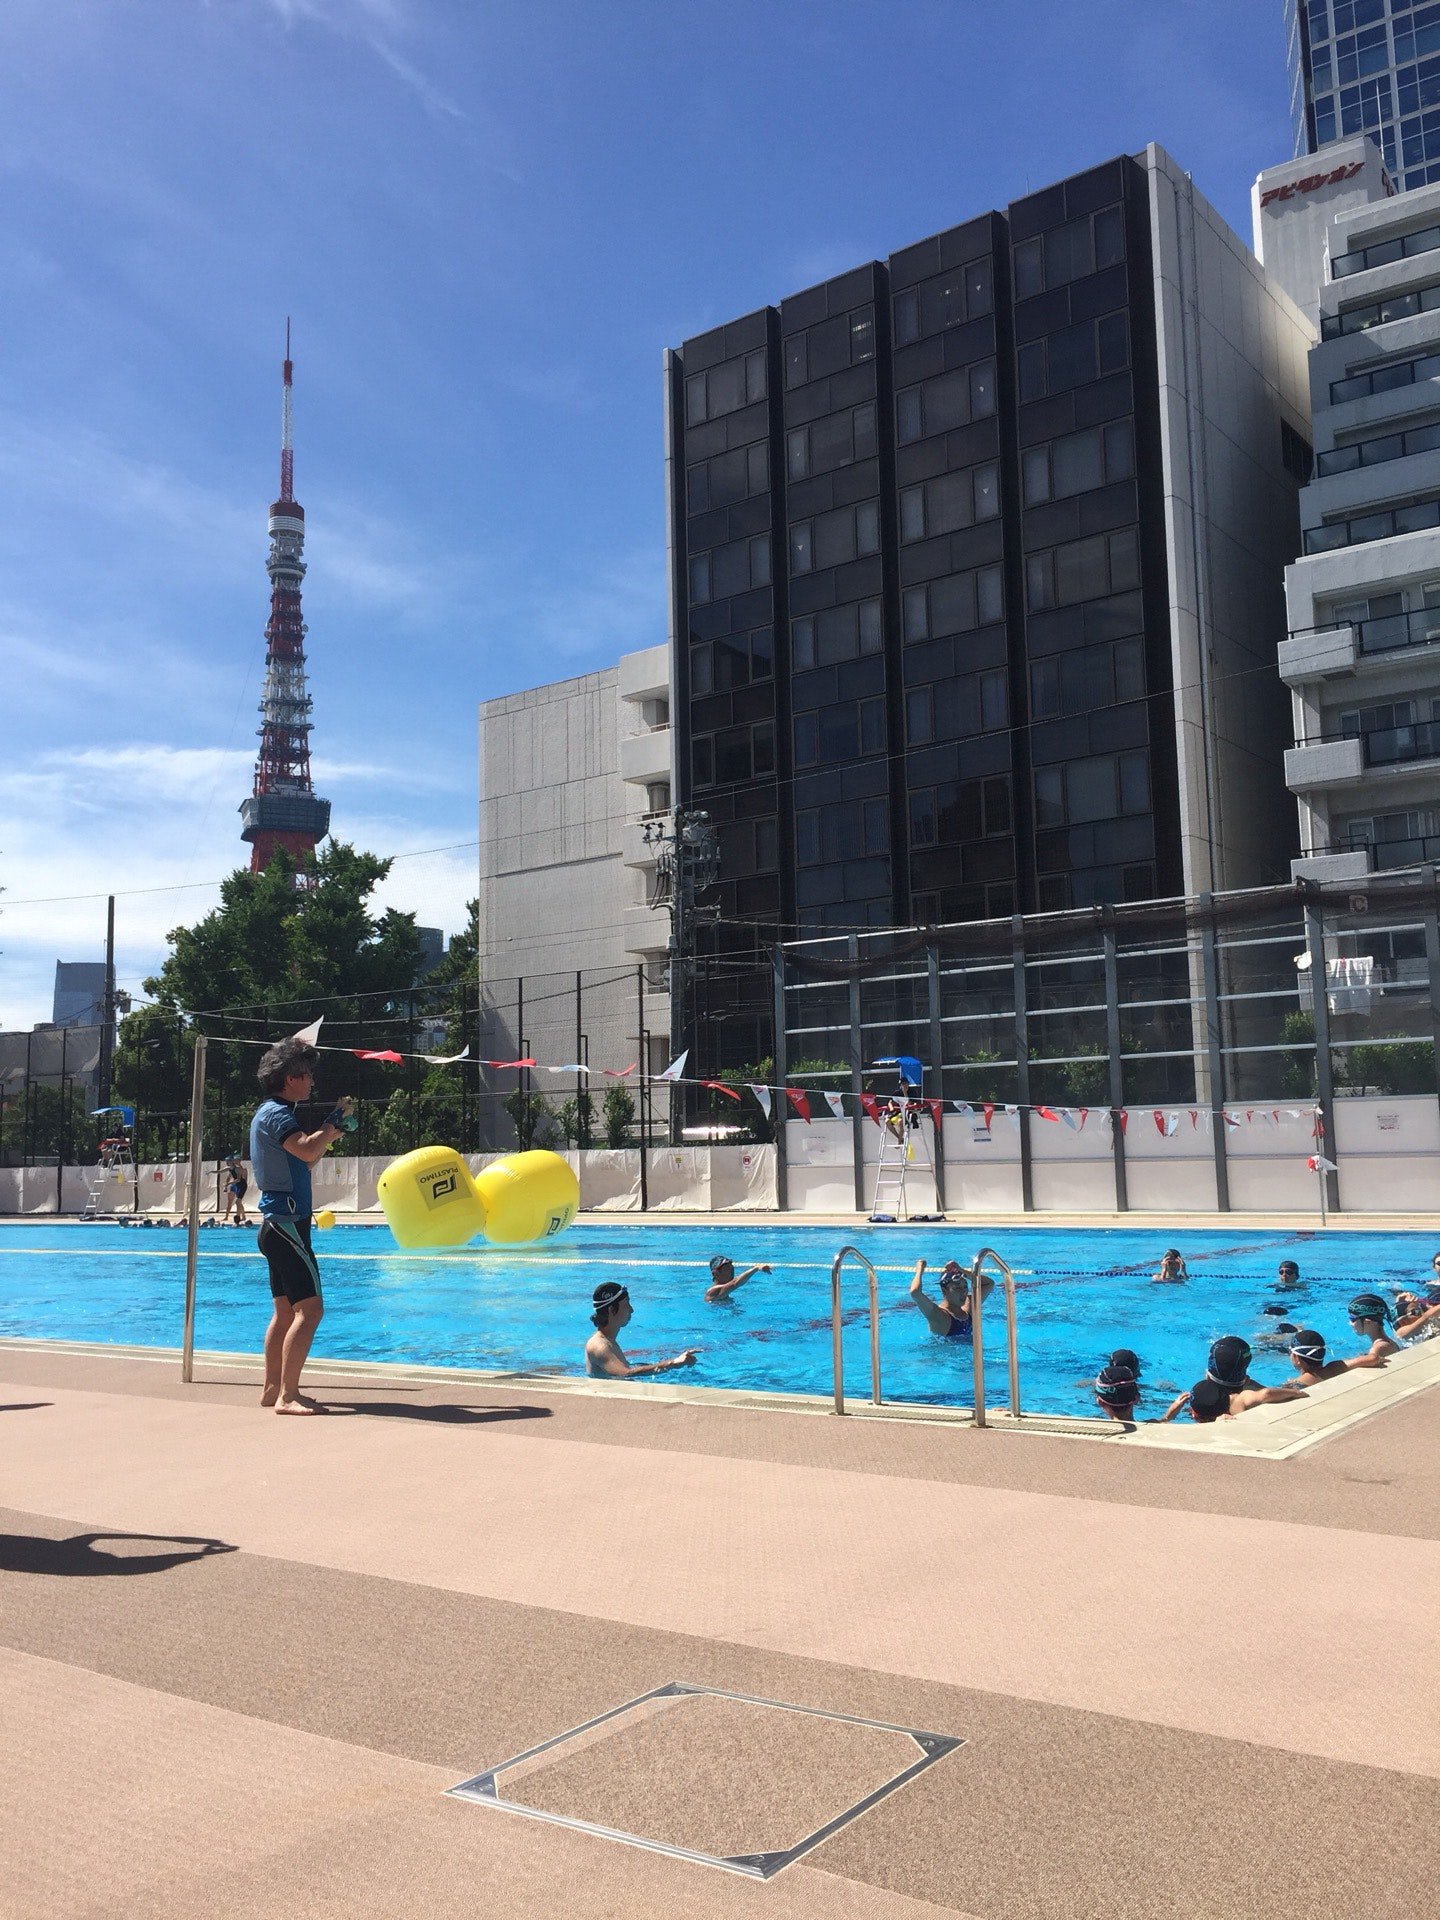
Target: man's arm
(1363,1360)
(1414,1323)
(723,1289)
(937,1318)
(1176,1406)
(1267,1397)
(312,1147)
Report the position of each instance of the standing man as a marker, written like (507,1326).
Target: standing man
(282,1155)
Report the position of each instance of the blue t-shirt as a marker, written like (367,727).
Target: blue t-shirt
(284,1181)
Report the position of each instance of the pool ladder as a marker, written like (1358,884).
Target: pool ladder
(977,1269)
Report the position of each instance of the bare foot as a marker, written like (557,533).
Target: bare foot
(298,1405)
(271,1394)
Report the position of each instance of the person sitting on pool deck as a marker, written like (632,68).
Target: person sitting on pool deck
(1116,1391)
(1208,1400)
(950,1315)
(603,1358)
(724,1279)
(1369,1316)
(1172,1269)
(1307,1356)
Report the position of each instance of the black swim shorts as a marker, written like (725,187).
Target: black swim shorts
(286,1247)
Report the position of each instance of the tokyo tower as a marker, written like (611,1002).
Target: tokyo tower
(283,810)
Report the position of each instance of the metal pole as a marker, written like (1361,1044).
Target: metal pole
(107,1008)
(644,1043)
(1214,1048)
(1013,1344)
(1022,1062)
(192,1237)
(857,1079)
(1432,968)
(1112,1047)
(837,1336)
(932,962)
(580,1102)
(1324,1077)
(782,1178)
(977,1341)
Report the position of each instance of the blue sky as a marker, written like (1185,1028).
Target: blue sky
(487,222)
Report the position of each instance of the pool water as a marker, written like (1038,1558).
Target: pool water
(1080,1293)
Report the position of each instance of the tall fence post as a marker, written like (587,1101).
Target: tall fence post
(932,985)
(1432,968)
(1112,1047)
(192,1234)
(643,1042)
(857,1072)
(782,1174)
(1324,1073)
(1214,1049)
(1022,1061)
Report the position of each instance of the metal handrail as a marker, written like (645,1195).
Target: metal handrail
(977,1334)
(837,1337)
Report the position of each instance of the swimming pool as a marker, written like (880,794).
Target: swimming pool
(1080,1292)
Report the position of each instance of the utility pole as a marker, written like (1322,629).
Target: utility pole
(687,864)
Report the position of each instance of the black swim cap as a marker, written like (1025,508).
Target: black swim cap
(1208,1400)
(609,1293)
(1123,1357)
(1229,1360)
(1115,1386)
(717,1261)
(1369,1306)
(1309,1345)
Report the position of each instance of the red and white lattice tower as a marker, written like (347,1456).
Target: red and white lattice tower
(283,810)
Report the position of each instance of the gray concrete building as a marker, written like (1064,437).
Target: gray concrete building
(1293,205)
(1362,660)
(570,774)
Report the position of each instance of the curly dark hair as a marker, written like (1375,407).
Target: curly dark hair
(277,1063)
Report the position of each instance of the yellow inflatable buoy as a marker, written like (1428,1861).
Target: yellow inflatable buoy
(527,1196)
(431,1199)
(325,1217)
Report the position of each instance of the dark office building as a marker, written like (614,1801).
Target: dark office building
(1368,66)
(976,564)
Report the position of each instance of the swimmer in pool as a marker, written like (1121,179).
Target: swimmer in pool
(724,1279)
(1416,1316)
(1288,1274)
(1172,1269)
(1116,1391)
(1228,1364)
(1208,1400)
(1370,1316)
(950,1315)
(603,1357)
(1307,1356)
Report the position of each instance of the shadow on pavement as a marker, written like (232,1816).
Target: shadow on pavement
(30,1553)
(443,1415)
(24,1406)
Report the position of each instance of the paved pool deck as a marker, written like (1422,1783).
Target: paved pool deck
(244,1658)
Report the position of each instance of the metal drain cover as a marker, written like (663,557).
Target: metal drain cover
(723,1779)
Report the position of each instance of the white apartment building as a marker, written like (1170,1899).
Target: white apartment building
(1362,660)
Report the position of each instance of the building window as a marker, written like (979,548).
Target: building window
(1081,246)
(1074,356)
(1083,570)
(836,634)
(724,389)
(730,569)
(657,797)
(836,734)
(1105,786)
(741,660)
(1076,462)
(733,756)
(946,401)
(946,300)
(957,708)
(1296,453)
(851,830)
(844,340)
(834,539)
(837,441)
(956,604)
(728,479)
(950,502)
(1087,679)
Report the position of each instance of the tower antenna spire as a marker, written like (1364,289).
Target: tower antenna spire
(283,809)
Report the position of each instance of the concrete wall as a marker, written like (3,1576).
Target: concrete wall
(1232,350)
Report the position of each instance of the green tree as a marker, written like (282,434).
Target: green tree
(533,1120)
(267,960)
(619,1115)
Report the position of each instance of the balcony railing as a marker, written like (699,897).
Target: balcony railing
(1373,453)
(1386,378)
(1389,746)
(1418,517)
(1383,253)
(1388,633)
(1379,313)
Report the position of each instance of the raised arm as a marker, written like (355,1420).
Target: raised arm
(1176,1406)
(312,1147)
(937,1318)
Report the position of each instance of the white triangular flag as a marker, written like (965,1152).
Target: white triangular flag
(675,1068)
(445,1059)
(310,1035)
(1317,1163)
(836,1105)
(762,1094)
